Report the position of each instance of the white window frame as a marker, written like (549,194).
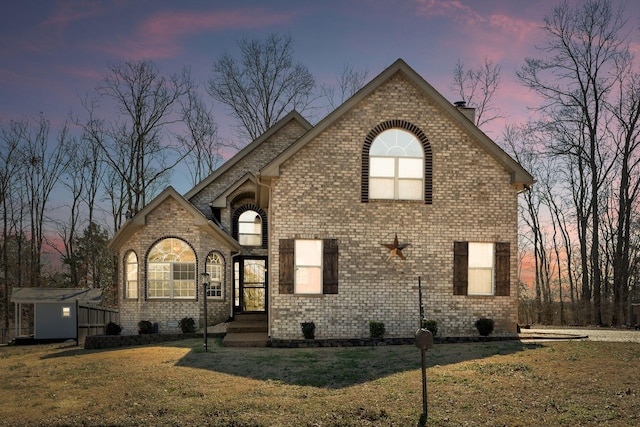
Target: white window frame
(481,269)
(215,269)
(66,311)
(396,144)
(250,232)
(308,254)
(131,276)
(166,279)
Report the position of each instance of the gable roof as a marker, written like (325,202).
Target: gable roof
(519,176)
(221,200)
(56,295)
(199,220)
(294,115)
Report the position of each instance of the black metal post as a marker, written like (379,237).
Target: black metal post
(205,284)
(206,346)
(420,302)
(424,384)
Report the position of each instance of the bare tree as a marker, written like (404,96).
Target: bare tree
(583,46)
(626,136)
(201,146)
(74,181)
(135,144)
(81,181)
(263,85)
(526,151)
(44,163)
(477,87)
(349,81)
(9,144)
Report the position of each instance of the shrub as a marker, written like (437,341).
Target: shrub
(112,329)
(187,324)
(308,330)
(376,329)
(485,326)
(430,325)
(145,327)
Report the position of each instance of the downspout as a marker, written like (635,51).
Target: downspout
(269,269)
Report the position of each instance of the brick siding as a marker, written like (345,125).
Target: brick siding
(318,196)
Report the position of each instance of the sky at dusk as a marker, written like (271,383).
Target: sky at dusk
(52,53)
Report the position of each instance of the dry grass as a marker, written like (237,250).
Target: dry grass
(508,383)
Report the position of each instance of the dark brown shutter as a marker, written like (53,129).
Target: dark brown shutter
(460,268)
(285,283)
(503,278)
(330,266)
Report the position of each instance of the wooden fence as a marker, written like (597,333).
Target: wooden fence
(92,320)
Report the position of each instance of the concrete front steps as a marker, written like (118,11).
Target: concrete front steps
(247,330)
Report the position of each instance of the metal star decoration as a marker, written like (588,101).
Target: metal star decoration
(395,249)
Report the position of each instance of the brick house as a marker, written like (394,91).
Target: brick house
(302,223)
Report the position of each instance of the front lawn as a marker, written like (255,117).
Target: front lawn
(502,383)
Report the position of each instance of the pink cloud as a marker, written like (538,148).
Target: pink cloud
(70,11)
(160,35)
(502,36)
(171,24)
(454,10)
(85,73)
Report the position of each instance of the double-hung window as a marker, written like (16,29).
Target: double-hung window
(396,166)
(308,266)
(481,269)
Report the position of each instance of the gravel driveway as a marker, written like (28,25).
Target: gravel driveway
(595,334)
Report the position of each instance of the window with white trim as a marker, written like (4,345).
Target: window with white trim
(250,229)
(396,166)
(215,268)
(308,267)
(481,268)
(171,270)
(131,275)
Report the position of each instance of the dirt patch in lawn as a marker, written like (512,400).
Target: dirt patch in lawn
(502,383)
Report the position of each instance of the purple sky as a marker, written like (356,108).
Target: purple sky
(53,52)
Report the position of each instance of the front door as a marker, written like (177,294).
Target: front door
(250,285)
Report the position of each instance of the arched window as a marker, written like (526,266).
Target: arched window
(171,270)
(250,229)
(215,268)
(396,163)
(396,166)
(131,275)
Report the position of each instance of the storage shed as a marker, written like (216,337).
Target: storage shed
(55,310)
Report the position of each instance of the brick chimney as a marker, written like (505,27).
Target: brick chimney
(469,113)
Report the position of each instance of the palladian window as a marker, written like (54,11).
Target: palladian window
(171,270)
(396,166)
